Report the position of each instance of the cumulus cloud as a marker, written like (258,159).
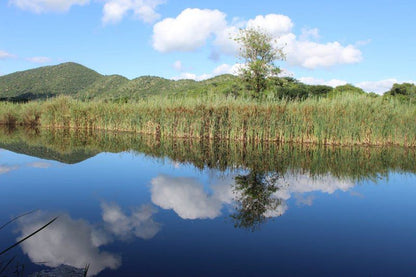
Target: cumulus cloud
(311,55)
(43,6)
(65,242)
(115,10)
(188,31)
(140,223)
(276,25)
(186,196)
(39,60)
(193,28)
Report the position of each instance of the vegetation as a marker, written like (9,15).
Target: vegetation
(342,120)
(354,163)
(219,108)
(258,54)
(406,92)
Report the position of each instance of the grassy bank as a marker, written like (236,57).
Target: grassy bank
(341,120)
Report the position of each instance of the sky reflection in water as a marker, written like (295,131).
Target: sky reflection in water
(128,214)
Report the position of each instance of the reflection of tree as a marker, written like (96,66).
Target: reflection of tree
(254,197)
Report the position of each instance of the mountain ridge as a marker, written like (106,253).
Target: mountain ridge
(84,83)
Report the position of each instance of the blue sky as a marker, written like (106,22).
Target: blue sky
(367,43)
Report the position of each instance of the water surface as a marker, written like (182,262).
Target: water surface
(135,206)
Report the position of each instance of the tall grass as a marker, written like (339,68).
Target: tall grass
(342,120)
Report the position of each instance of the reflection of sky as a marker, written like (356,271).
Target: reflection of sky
(126,210)
(76,242)
(10,161)
(187,197)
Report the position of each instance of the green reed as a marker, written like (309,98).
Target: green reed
(341,120)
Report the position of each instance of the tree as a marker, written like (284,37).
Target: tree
(259,54)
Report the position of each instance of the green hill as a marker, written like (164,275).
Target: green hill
(43,82)
(83,83)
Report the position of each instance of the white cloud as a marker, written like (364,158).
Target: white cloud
(66,242)
(188,31)
(115,10)
(275,24)
(193,28)
(39,59)
(43,6)
(378,87)
(186,196)
(311,55)
(309,34)
(314,81)
(140,223)
(5,55)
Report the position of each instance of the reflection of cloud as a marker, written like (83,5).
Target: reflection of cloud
(302,183)
(7,168)
(304,201)
(66,241)
(39,165)
(140,222)
(186,196)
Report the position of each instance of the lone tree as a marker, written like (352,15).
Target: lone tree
(259,54)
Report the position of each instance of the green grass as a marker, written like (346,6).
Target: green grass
(348,119)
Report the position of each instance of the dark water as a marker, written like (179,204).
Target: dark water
(135,206)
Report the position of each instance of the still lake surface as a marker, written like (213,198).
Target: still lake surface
(136,206)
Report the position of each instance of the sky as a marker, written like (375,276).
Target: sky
(370,44)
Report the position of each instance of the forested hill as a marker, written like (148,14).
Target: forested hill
(84,83)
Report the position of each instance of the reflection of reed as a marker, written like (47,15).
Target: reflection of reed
(355,163)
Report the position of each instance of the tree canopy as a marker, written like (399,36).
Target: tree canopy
(258,52)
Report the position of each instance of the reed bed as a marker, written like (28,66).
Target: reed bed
(342,120)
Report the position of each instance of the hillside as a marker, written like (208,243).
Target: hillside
(43,82)
(83,83)
(86,84)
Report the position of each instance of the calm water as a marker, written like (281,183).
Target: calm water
(133,206)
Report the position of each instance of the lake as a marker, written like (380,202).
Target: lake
(130,205)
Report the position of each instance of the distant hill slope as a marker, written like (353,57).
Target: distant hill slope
(83,83)
(66,78)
